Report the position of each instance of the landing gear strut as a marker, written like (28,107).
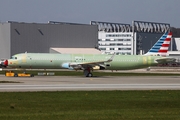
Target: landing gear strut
(87,73)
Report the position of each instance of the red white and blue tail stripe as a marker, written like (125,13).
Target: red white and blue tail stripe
(161,46)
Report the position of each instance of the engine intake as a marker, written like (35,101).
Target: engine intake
(67,65)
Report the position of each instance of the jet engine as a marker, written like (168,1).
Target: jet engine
(67,65)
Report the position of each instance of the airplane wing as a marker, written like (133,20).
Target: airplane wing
(85,65)
(165,60)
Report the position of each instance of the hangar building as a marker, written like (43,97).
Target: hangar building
(138,38)
(18,37)
(128,39)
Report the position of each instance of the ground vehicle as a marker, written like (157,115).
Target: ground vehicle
(13,74)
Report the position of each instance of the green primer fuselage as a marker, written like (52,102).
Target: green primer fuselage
(55,61)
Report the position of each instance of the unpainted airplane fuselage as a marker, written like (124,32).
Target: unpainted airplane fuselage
(56,61)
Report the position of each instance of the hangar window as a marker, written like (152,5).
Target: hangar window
(17,31)
(107,39)
(103,48)
(40,31)
(120,39)
(111,48)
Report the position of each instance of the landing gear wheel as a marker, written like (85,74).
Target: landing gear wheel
(15,75)
(32,75)
(90,75)
(87,73)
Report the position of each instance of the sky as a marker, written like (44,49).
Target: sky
(84,11)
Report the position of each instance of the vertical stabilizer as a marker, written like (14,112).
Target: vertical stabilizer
(161,46)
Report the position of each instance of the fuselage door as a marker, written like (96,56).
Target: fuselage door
(24,58)
(145,60)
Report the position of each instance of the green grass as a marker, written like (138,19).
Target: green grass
(90,105)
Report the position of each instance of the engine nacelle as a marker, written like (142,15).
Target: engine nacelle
(67,65)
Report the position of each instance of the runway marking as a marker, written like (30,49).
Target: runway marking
(96,83)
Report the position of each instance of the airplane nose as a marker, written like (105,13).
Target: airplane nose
(4,63)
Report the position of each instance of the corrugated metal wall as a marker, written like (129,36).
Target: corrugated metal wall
(4,40)
(40,37)
(147,40)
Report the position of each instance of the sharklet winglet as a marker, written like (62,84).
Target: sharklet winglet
(111,58)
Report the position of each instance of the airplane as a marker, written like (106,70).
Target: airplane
(90,62)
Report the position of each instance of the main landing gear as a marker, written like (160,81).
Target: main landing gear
(87,73)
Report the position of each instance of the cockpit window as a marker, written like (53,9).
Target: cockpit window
(13,57)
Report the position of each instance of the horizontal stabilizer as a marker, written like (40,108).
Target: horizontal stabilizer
(165,60)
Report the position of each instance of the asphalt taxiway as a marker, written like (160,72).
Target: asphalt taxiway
(71,83)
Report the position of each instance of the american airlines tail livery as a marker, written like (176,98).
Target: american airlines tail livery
(161,46)
(90,62)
